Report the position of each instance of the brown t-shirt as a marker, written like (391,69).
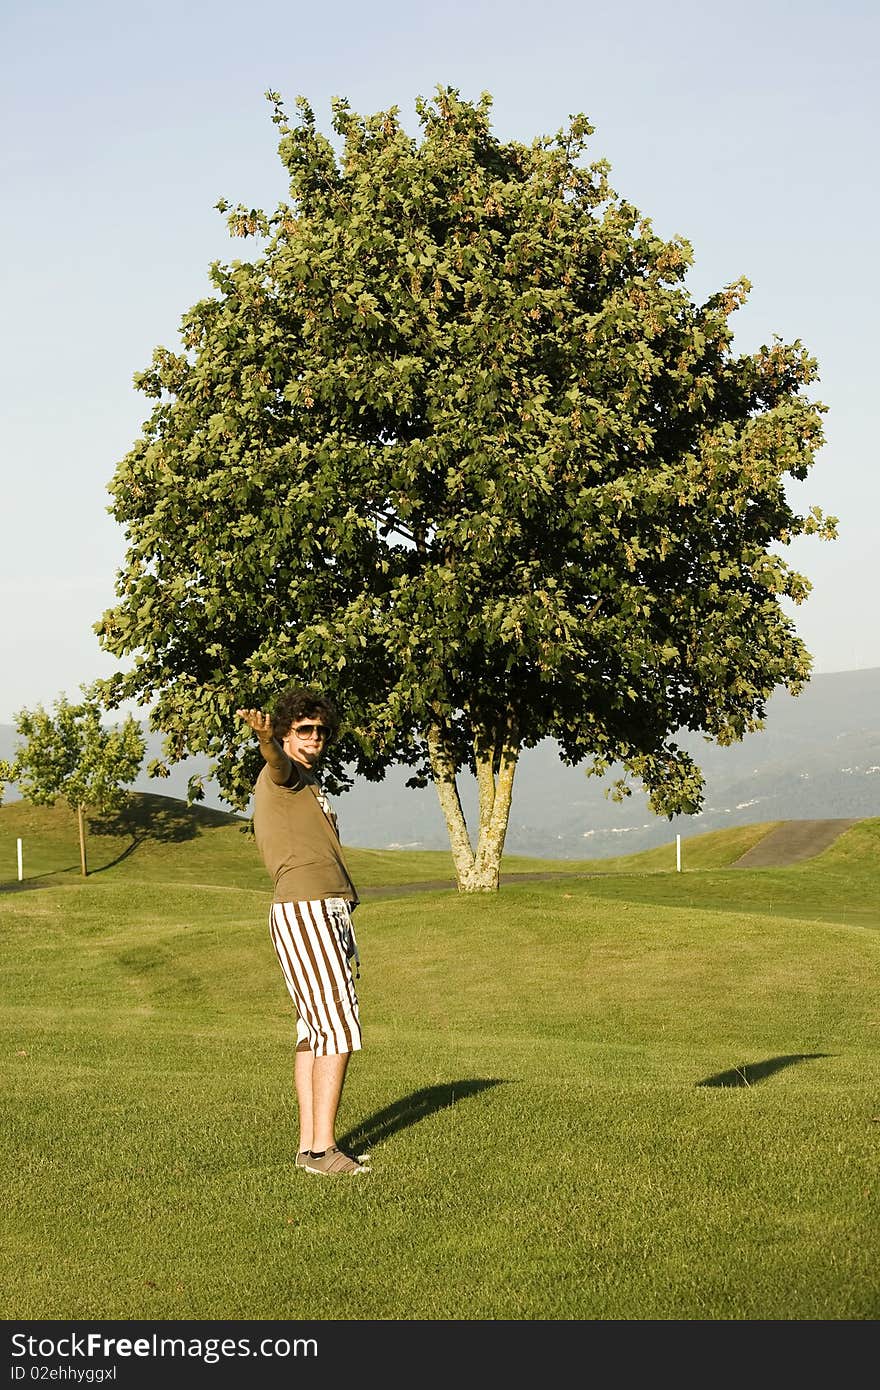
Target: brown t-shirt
(298,840)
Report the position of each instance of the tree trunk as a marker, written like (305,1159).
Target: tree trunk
(82,841)
(477,872)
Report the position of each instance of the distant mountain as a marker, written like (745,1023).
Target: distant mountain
(818,757)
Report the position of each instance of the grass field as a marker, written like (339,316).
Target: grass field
(620,1093)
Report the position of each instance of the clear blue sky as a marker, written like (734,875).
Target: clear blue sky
(751,129)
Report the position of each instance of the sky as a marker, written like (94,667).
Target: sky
(751,130)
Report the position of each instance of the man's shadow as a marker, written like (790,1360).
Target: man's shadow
(753,1072)
(410,1110)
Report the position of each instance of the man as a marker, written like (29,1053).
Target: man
(310,919)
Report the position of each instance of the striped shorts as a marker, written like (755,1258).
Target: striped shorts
(315,945)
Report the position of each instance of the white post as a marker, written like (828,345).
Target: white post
(19,862)
(678,854)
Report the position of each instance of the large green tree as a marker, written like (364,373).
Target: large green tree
(68,752)
(456,444)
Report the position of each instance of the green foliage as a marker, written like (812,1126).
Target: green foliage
(457,445)
(68,753)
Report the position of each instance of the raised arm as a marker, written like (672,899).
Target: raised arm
(279,764)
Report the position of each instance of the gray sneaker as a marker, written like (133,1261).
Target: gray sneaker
(331,1162)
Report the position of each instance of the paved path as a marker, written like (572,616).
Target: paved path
(791,842)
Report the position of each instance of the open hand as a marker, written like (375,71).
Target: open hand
(260,723)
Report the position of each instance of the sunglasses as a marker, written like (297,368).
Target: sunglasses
(306,730)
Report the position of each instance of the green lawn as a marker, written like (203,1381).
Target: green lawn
(634,1095)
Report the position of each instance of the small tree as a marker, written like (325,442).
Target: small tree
(69,754)
(459,443)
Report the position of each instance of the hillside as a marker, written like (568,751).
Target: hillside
(817,757)
(161,840)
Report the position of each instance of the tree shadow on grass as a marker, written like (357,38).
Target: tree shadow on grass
(161,818)
(752,1072)
(29,885)
(410,1110)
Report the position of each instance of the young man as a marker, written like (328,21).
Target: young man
(310,918)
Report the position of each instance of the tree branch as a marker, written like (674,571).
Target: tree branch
(391,523)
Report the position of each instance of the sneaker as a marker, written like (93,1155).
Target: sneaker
(333,1161)
(301,1158)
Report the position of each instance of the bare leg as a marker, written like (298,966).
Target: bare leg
(327,1078)
(302,1075)
(318,1091)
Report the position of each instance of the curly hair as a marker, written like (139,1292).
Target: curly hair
(300,703)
